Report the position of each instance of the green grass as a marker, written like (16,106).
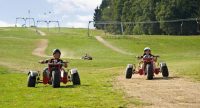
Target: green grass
(181,53)
(97,77)
(96,89)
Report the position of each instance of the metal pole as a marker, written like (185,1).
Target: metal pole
(29,14)
(33,21)
(89,28)
(48,25)
(197,25)
(59,26)
(16,22)
(25,22)
(182,28)
(122,28)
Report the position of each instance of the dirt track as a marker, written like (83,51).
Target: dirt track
(41,47)
(100,39)
(41,33)
(173,92)
(43,44)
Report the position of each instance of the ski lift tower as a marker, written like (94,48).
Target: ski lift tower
(57,23)
(20,18)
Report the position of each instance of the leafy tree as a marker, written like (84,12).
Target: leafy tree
(97,17)
(145,11)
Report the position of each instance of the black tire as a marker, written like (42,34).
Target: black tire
(165,72)
(129,73)
(75,79)
(55,79)
(31,81)
(149,71)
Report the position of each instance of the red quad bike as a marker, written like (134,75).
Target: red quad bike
(147,67)
(53,75)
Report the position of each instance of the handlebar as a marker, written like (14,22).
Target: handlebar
(140,57)
(53,63)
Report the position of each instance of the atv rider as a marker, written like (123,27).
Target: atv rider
(55,59)
(147,54)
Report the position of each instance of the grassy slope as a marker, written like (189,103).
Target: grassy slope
(96,89)
(96,76)
(181,53)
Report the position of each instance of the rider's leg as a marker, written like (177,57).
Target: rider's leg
(45,72)
(144,68)
(45,75)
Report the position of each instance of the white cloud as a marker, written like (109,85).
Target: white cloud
(5,24)
(77,21)
(75,13)
(71,6)
(85,18)
(75,24)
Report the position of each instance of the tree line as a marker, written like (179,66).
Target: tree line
(156,12)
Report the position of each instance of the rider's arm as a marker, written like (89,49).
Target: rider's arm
(44,61)
(139,57)
(65,64)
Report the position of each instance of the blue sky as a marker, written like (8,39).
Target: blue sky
(71,13)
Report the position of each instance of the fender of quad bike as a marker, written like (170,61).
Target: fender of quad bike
(129,66)
(73,71)
(163,64)
(33,73)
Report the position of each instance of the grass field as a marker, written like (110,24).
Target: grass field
(97,77)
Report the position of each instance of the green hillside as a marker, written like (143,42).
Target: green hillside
(97,77)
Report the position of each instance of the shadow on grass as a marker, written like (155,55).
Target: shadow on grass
(62,86)
(73,86)
(166,78)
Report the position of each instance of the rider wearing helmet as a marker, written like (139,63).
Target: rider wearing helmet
(55,59)
(147,53)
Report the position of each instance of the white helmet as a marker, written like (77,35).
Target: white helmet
(147,48)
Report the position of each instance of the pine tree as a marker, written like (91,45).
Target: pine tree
(97,17)
(147,11)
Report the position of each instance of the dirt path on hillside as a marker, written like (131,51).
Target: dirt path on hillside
(41,47)
(107,44)
(43,44)
(41,33)
(173,92)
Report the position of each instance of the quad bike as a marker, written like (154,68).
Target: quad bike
(53,75)
(87,57)
(147,66)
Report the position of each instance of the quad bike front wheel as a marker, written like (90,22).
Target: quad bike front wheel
(31,81)
(75,77)
(149,71)
(164,70)
(32,77)
(129,71)
(55,79)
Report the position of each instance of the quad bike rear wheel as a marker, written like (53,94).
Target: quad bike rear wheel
(75,77)
(149,71)
(31,81)
(129,71)
(55,79)
(164,70)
